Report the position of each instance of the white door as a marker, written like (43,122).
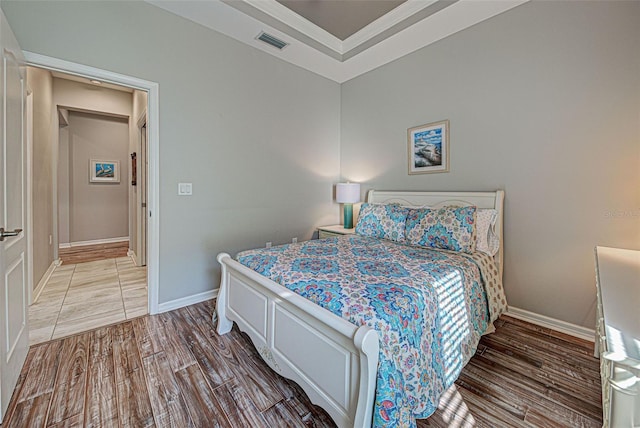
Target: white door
(14,331)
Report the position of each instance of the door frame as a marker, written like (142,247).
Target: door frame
(153,129)
(140,211)
(29,192)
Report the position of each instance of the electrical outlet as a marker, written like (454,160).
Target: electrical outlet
(294,240)
(268,244)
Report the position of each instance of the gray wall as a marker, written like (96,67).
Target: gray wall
(97,210)
(544,102)
(258,138)
(41,84)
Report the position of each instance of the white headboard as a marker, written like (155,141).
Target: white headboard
(493,200)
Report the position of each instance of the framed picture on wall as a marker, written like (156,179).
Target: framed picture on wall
(429,148)
(104,171)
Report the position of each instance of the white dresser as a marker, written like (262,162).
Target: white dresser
(618,335)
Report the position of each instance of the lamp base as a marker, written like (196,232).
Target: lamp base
(348,216)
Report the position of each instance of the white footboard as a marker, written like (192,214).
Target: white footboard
(334,361)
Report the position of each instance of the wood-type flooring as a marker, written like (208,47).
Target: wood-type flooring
(174,370)
(91,253)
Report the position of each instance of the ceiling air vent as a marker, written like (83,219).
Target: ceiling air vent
(271,40)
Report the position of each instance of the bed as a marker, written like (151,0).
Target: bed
(352,369)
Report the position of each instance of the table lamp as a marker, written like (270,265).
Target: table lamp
(348,194)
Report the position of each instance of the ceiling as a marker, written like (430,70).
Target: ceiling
(338,39)
(342,18)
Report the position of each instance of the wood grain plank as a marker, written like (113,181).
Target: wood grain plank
(556,374)
(489,413)
(71,422)
(533,381)
(549,347)
(31,413)
(238,406)
(223,346)
(91,253)
(68,397)
(452,411)
(18,388)
(155,334)
(204,408)
(576,342)
(298,401)
(256,375)
(147,338)
(214,368)
(504,392)
(41,376)
(167,401)
(496,396)
(134,406)
(100,409)
(281,415)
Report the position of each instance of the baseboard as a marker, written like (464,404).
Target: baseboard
(133,256)
(552,323)
(186,301)
(44,279)
(94,242)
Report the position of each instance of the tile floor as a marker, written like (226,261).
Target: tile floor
(84,296)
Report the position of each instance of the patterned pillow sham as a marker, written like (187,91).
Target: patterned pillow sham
(448,228)
(382,221)
(487,241)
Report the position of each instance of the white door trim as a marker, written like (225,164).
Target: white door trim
(153,127)
(29,193)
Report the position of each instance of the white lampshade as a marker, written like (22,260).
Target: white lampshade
(347,193)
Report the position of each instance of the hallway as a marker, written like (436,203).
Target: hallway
(84,296)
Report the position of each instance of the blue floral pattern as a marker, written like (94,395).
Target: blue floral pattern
(446,228)
(380,268)
(312,265)
(382,221)
(319,250)
(261,263)
(429,308)
(321,293)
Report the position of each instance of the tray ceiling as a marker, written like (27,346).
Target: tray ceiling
(341,18)
(339,39)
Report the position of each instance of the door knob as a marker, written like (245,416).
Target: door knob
(6,234)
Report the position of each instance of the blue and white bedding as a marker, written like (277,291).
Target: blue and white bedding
(429,307)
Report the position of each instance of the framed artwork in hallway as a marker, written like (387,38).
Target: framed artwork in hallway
(104,171)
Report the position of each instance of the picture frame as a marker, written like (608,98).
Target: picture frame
(428,148)
(104,171)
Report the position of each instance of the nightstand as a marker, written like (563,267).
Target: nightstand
(335,230)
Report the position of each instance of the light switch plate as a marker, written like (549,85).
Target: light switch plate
(185,189)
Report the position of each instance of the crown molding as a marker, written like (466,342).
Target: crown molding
(385,22)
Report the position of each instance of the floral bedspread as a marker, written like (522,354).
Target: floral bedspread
(429,308)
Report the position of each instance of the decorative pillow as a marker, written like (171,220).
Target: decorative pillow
(382,221)
(448,228)
(487,241)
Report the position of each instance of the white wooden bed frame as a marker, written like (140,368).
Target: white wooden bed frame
(334,361)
